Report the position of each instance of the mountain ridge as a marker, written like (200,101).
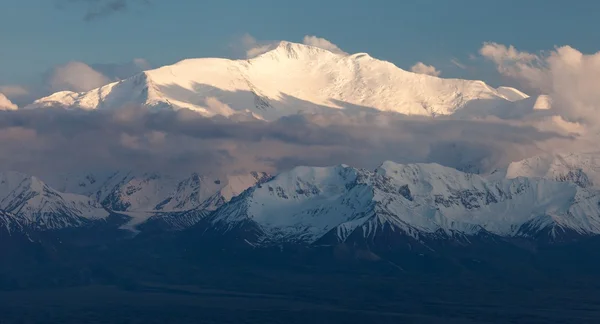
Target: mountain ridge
(304,204)
(417,200)
(31,199)
(283,81)
(580,168)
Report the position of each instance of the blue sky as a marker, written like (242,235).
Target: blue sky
(36,35)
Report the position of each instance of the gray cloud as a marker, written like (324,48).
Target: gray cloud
(119,71)
(95,9)
(105,9)
(49,140)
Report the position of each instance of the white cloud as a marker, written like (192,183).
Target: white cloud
(322,43)
(251,47)
(76,76)
(501,54)
(458,64)
(73,76)
(422,68)
(568,76)
(258,50)
(216,105)
(6,104)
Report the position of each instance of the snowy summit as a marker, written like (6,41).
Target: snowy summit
(286,80)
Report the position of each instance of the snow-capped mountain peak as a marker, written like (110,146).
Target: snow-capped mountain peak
(295,51)
(582,169)
(30,198)
(312,204)
(283,81)
(157,191)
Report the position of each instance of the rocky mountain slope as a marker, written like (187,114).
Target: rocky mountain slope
(75,200)
(322,205)
(582,169)
(164,192)
(421,201)
(38,205)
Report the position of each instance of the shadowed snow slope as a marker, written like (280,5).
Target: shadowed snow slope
(415,200)
(288,79)
(157,192)
(41,206)
(307,204)
(75,200)
(582,169)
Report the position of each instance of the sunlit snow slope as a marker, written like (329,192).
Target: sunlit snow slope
(6,104)
(288,79)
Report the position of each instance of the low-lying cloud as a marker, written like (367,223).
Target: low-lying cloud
(46,141)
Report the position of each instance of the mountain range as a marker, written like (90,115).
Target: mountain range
(312,205)
(391,212)
(418,201)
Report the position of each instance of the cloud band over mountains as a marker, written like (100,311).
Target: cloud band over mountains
(54,140)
